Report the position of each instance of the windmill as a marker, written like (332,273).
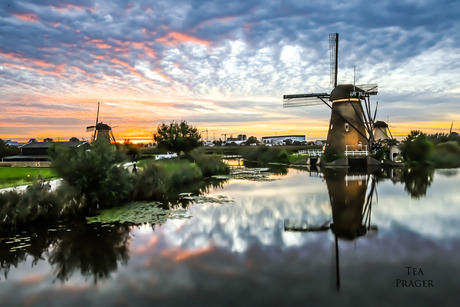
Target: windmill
(382,131)
(351,123)
(101,131)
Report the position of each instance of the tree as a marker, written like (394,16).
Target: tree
(74,139)
(252,140)
(7,150)
(177,137)
(416,147)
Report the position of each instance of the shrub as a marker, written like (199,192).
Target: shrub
(417,148)
(159,178)
(266,154)
(96,174)
(446,154)
(209,164)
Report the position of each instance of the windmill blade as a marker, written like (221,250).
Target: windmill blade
(97,116)
(375,113)
(333,53)
(371,89)
(299,100)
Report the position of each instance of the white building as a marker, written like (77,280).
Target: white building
(283,139)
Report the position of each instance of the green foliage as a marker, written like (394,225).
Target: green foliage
(416,148)
(97,174)
(266,154)
(446,154)
(444,137)
(34,204)
(177,137)
(159,178)
(252,140)
(209,164)
(7,150)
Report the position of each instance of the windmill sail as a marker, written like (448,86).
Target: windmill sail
(370,89)
(299,100)
(333,53)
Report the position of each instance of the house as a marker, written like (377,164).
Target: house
(38,151)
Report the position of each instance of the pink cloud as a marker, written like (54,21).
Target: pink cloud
(27,17)
(176,38)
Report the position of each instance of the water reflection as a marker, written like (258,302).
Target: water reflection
(417,181)
(242,246)
(351,197)
(93,250)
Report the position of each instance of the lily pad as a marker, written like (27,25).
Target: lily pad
(215,199)
(135,213)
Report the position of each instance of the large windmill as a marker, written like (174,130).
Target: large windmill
(351,123)
(101,131)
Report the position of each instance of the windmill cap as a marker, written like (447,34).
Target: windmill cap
(343,91)
(101,126)
(380,124)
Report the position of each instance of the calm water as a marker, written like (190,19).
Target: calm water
(259,243)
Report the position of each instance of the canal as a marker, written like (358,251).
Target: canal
(284,238)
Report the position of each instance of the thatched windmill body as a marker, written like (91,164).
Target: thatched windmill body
(351,123)
(101,131)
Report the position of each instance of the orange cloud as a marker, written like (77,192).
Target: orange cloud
(27,17)
(20,62)
(103,46)
(99,43)
(63,8)
(176,38)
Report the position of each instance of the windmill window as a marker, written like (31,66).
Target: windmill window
(347,127)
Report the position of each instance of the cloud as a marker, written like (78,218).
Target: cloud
(229,50)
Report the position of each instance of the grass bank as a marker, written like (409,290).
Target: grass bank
(13,176)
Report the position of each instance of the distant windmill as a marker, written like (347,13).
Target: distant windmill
(101,130)
(382,131)
(351,123)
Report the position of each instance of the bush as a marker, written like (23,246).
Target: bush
(209,164)
(266,154)
(159,178)
(96,174)
(417,148)
(35,204)
(446,154)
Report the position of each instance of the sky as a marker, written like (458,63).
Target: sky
(222,66)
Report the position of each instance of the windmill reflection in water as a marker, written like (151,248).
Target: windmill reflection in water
(351,196)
